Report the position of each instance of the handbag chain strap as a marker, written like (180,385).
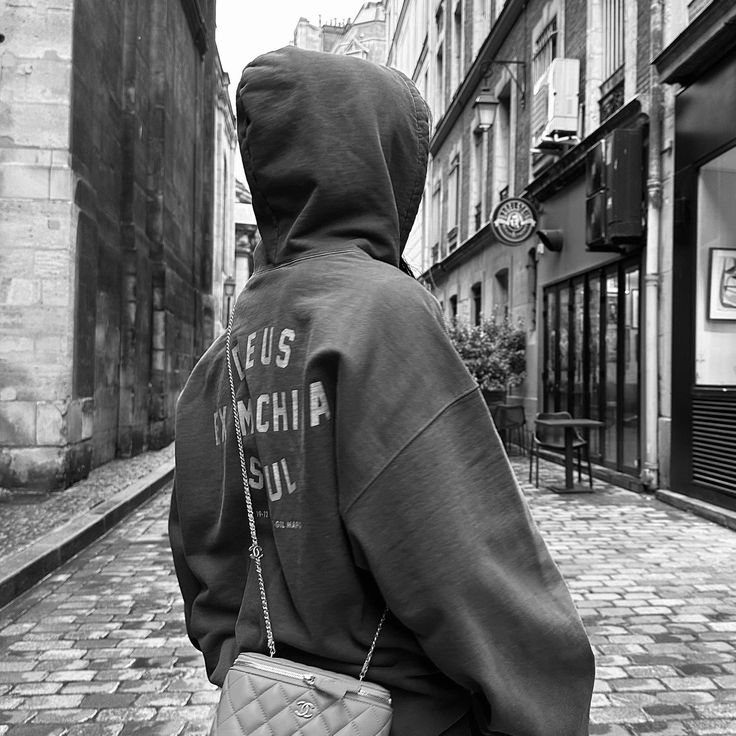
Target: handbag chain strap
(255,550)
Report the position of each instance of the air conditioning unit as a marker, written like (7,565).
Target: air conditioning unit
(555,103)
(613,192)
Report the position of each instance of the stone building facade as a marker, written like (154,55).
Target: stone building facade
(363,36)
(107,115)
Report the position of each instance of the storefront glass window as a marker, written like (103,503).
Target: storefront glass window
(715,313)
(578,355)
(630,416)
(594,357)
(550,350)
(610,366)
(564,342)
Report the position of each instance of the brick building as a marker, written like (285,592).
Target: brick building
(107,217)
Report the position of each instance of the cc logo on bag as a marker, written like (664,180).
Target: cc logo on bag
(305,709)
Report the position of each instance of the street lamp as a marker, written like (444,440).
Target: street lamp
(485,111)
(228,287)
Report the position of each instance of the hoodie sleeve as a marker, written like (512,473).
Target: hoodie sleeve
(448,536)
(207,520)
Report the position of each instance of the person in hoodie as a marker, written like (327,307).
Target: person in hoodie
(377,476)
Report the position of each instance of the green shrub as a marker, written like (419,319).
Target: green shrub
(494,352)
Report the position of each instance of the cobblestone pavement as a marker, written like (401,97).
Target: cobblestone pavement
(27,516)
(99,647)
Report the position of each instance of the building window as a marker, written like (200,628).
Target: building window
(435,220)
(501,301)
(481,24)
(457,44)
(612,89)
(453,196)
(453,308)
(438,91)
(478,173)
(503,158)
(439,17)
(439,86)
(545,49)
(475,291)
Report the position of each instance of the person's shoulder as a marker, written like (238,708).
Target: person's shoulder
(393,290)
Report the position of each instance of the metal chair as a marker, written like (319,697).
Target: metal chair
(510,420)
(553,439)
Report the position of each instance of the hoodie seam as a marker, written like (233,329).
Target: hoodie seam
(419,180)
(412,439)
(258,188)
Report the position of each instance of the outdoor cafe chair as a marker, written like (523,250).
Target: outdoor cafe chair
(553,440)
(510,421)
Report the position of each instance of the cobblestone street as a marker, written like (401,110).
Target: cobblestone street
(99,646)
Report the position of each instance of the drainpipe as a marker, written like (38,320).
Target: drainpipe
(650,470)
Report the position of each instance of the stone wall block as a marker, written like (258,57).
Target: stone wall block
(52,348)
(35,224)
(80,420)
(61,183)
(88,418)
(46,79)
(27,379)
(29,122)
(24,181)
(56,292)
(51,264)
(17,423)
(27,156)
(39,28)
(51,423)
(15,261)
(18,345)
(20,291)
(32,467)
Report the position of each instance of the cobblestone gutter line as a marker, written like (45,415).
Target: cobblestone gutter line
(24,568)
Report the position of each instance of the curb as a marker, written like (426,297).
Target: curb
(706,510)
(25,568)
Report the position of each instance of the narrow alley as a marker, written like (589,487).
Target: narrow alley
(99,646)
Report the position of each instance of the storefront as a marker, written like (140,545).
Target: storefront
(703,60)
(589,290)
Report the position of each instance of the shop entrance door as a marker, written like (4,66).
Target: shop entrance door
(591,358)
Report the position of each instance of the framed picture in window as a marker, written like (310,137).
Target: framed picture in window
(722,284)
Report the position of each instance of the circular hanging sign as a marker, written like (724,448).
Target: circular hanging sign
(513,221)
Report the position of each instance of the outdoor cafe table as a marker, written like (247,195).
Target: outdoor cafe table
(569,425)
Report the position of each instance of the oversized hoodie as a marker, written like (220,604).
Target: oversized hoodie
(376,473)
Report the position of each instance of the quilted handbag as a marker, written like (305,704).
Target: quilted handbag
(270,696)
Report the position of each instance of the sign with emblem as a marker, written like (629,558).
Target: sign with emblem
(513,221)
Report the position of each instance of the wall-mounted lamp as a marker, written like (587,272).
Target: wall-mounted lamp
(485,110)
(551,239)
(519,81)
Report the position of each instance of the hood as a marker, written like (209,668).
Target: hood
(335,151)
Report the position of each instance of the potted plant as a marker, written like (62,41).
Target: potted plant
(495,354)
